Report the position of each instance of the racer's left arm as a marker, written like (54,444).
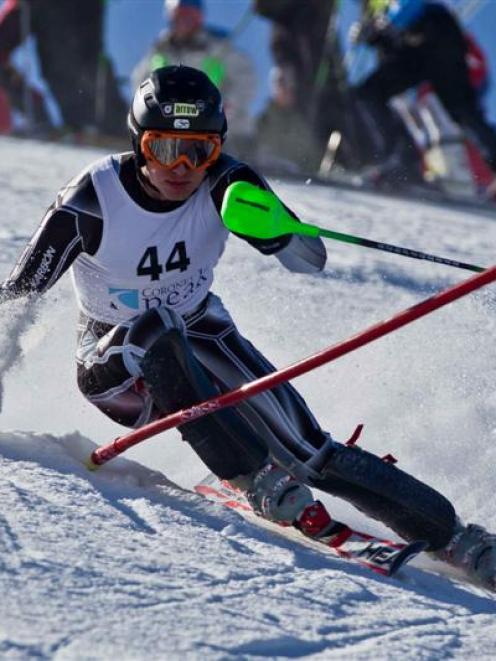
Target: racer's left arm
(300,254)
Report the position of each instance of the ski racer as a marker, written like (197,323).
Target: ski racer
(141,233)
(418,41)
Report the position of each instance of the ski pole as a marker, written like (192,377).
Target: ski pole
(260,214)
(103,454)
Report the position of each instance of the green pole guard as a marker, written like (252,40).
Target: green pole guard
(258,213)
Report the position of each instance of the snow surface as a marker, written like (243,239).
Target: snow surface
(125,563)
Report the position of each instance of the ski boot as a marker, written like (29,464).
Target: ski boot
(277,496)
(316,522)
(473,550)
(274,494)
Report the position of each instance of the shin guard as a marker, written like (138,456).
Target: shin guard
(412,509)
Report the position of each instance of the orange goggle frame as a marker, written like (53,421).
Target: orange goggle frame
(168,149)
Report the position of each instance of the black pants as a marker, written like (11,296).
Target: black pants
(110,376)
(69,42)
(276,422)
(402,69)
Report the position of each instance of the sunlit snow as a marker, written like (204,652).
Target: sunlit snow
(125,563)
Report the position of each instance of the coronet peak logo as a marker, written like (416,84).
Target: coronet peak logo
(127,297)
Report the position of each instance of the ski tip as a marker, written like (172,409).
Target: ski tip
(406,554)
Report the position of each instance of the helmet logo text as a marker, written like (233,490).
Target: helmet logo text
(186,110)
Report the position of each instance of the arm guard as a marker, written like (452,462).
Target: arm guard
(303,254)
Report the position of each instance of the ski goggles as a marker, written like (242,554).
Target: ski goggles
(168,149)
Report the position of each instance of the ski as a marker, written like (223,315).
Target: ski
(382,556)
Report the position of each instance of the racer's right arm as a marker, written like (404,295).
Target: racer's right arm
(300,254)
(72,225)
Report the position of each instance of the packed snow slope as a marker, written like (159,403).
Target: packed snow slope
(126,563)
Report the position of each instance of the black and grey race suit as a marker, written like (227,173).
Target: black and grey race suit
(74,233)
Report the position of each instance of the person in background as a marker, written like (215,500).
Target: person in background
(189,41)
(21,104)
(16,94)
(69,45)
(304,41)
(285,140)
(418,41)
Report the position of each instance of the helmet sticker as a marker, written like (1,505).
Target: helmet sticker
(186,110)
(181,123)
(172,94)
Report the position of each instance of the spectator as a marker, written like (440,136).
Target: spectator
(21,97)
(285,140)
(15,93)
(304,40)
(418,41)
(190,42)
(69,43)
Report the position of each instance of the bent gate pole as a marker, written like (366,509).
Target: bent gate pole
(104,453)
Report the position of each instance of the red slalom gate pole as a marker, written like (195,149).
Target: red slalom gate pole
(103,454)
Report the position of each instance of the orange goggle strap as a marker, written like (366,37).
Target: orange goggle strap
(179,139)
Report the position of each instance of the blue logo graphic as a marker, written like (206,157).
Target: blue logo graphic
(127,297)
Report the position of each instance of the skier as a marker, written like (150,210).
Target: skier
(142,233)
(418,41)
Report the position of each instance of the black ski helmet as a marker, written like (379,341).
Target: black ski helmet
(176,98)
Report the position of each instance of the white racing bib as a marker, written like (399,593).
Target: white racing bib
(147,259)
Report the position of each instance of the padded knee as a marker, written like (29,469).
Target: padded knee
(144,332)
